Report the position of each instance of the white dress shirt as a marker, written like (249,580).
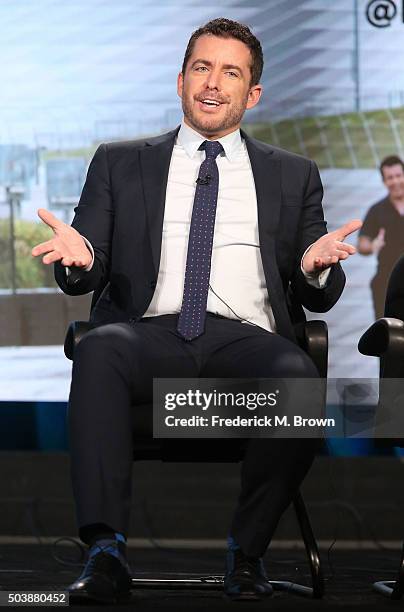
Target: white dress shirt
(237,282)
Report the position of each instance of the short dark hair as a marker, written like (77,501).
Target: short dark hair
(230,29)
(391,160)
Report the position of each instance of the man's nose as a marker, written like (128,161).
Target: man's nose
(213,79)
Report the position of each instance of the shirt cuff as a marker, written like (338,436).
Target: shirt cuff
(90,248)
(315,279)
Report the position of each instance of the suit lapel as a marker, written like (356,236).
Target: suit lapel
(155,163)
(266,169)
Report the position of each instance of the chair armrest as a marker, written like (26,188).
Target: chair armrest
(74,334)
(384,338)
(313,338)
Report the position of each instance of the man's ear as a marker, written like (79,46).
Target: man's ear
(254,96)
(180,84)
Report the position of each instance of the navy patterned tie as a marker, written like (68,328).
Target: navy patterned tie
(191,321)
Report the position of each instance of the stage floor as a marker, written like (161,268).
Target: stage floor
(349,577)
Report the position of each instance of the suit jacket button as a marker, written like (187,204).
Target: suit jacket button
(153,284)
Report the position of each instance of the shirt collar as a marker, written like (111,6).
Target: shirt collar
(191,140)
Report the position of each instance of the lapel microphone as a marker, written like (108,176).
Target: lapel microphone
(204,181)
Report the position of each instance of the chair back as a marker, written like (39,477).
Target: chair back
(394,306)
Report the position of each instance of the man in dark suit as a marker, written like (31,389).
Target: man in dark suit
(247,217)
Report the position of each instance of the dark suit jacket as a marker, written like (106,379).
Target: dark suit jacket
(121,212)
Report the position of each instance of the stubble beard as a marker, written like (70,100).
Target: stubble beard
(211,125)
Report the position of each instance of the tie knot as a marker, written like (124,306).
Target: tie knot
(212,148)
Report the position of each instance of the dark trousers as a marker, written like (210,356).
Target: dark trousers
(113,369)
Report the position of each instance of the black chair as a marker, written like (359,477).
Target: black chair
(385,339)
(313,338)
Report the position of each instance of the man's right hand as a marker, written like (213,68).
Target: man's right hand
(67,245)
(378,243)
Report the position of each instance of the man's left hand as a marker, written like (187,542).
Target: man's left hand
(330,248)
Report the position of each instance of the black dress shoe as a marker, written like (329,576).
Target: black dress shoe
(245,577)
(104,579)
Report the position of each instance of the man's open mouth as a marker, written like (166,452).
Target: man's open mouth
(209,103)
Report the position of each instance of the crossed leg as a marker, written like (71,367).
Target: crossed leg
(273,468)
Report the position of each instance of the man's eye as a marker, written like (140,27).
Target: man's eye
(233,74)
(201,68)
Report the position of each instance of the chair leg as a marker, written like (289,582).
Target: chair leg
(317,589)
(394,589)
